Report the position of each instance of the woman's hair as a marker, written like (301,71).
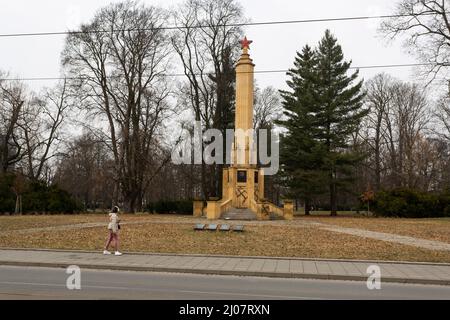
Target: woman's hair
(115,209)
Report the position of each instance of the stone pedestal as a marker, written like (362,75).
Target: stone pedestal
(243,185)
(213,209)
(288,210)
(198,208)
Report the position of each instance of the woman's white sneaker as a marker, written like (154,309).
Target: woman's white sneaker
(106,253)
(118,253)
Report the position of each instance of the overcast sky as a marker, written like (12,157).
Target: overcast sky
(274,46)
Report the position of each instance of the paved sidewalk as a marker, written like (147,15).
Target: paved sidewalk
(419,273)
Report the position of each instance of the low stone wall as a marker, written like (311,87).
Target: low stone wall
(215,208)
(198,208)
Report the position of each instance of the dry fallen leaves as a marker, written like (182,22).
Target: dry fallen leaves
(175,235)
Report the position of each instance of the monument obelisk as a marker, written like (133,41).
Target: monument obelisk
(243,182)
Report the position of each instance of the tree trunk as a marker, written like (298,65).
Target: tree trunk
(333,196)
(115,196)
(130,200)
(307,207)
(377,162)
(139,203)
(18,209)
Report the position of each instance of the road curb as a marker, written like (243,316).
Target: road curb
(227,273)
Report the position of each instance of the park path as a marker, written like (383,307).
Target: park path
(388,237)
(66,227)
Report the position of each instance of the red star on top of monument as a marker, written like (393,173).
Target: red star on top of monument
(246,43)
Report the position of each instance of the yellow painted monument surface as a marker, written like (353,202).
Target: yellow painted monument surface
(243,181)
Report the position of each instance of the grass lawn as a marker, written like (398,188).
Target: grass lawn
(174,234)
(430,229)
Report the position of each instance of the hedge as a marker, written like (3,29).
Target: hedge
(407,203)
(7,197)
(174,207)
(38,198)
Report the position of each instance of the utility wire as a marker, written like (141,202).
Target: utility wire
(265,23)
(256,72)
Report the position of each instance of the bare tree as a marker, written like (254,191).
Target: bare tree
(426,23)
(12,100)
(429,159)
(206,43)
(398,129)
(267,107)
(403,151)
(378,99)
(442,114)
(122,84)
(87,171)
(42,123)
(411,116)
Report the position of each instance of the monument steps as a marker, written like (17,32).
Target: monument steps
(239,214)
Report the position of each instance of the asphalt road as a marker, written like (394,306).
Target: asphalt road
(45,283)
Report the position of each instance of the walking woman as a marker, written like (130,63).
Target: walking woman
(113,228)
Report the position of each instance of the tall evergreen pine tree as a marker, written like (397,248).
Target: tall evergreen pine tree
(338,114)
(300,153)
(322,111)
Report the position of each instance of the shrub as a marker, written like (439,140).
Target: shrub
(60,201)
(38,197)
(171,207)
(444,202)
(185,207)
(406,203)
(7,197)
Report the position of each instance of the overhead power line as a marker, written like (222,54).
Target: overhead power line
(264,23)
(386,66)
